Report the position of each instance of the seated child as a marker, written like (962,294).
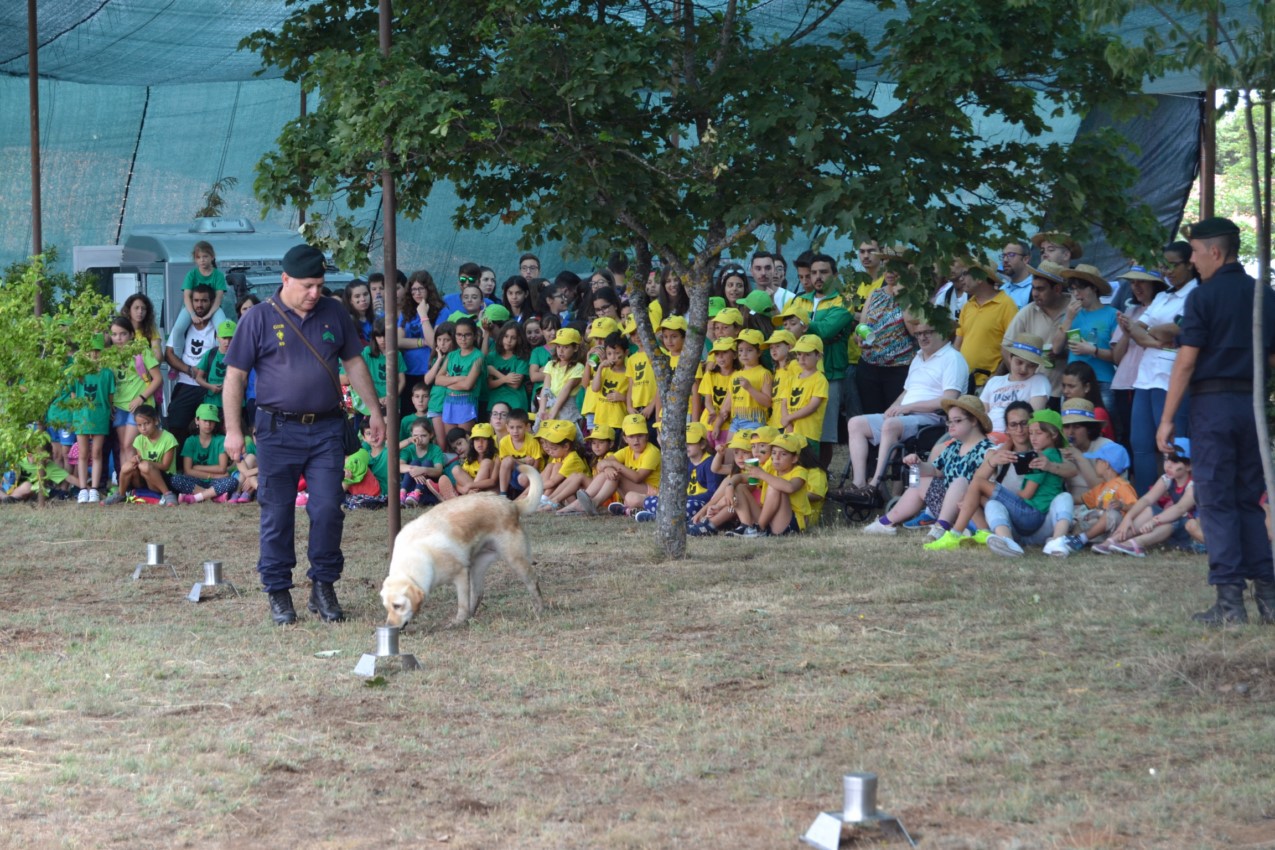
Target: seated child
(378,457)
(631,474)
(420,462)
(36,467)
(420,406)
(1162,514)
(730,462)
(516,448)
(246,473)
(153,463)
(785,507)
(362,490)
(599,445)
(566,472)
(1106,502)
(477,472)
(1024,511)
(701,481)
(205,465)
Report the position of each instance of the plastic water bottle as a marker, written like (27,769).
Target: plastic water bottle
(914,474)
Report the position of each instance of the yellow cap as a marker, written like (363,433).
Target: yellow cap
(793,443)
(602,327)
(696,433)
(752,337)
(780,336)
(726,343)
(765,434)
(602,432)
(673,323)
(629,325)
(482,429)
(567,336)
(743,440)
(729,316)
(808,342)
(557,431)
(635,423)
(795,307)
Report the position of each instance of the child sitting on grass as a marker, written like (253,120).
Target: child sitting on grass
(362,490)
(1162,514)
(701,481)
(153,463)
(990,504)
(420,462)
(477,472)
(1106,502)
(516,448)
(785,506)
(565,472)
(731,460)
(631,474)
(38,466)
(205,471)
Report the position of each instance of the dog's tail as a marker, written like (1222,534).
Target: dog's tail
(529,501)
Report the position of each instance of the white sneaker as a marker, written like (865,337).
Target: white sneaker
(1057,546)
(82,498)
(936,531)
(875,527)
(95,496)
(1004,546)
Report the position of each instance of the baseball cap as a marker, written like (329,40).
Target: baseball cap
(780,336)
(789,443)
(807,343)
(673,323)
(226,329)
(208,412)
(567,336)
(483,429)
(634,424)
(496,313)
(751,336)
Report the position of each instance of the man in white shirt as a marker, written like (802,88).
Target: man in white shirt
(183,355)
(1016,261)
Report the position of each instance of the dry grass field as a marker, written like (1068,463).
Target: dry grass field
(711,702)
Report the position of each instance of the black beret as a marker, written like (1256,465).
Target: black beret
(304,261)
(1211,227)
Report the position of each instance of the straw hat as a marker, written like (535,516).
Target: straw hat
(1030,348)
(1078,411)
(972,405)
(1059,238)
(1051,272)
(1091,275)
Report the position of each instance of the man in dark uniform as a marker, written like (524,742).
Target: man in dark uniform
(1215,361)
(299,425)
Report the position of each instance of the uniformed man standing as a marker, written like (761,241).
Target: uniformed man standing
(1215,362)
(298,426)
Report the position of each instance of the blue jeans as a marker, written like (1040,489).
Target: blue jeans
(286,451)
(1010,509)
(1148,405)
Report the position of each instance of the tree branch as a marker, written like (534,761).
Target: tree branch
(801,33)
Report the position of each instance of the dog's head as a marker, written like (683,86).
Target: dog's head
(402,598)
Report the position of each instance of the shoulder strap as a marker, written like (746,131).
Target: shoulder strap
(336,382)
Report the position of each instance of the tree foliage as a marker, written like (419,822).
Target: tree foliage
(38,359)
(677,129)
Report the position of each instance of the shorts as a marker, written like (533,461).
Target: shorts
(121,417)
(745,423)
(1013,510)
(458,409)
(62,436)
(1179,538)
(912,424)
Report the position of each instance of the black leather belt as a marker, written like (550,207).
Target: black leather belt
(1209,386)
(303,418)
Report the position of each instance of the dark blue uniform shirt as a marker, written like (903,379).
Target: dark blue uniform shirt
(1219,321)
(289,377)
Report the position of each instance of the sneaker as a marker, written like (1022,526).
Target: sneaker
(979,537)
(745,531)
(936,531)
(303,499)
(875,527)
(702,529)
(94,496)
(186,499)
(644,516)
(168,500)
(446,489)
(223,498)
(115,498)
(590,508)
(411,500)
(617,509)
(948,542)
(1004,546)
(1129,547)
(1103,548)
(921,520)
(1063,546)
(82,498)
(432,486)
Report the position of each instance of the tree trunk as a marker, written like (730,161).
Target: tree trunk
(1260,291)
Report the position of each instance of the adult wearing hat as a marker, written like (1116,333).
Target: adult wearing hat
(1156,331)
(1058,247)
(1215,363)
(1143,287)
(299,424)
(984,320)
(886,348)
(1043,317)
(1088,325)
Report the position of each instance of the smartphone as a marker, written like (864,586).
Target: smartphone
(1022,464)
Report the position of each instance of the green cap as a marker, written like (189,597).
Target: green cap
(1049,417)
(356,466)
(208,413)
(458,315)
(226,329)
(97,343)
(758,302)
(716,304)
(496,313)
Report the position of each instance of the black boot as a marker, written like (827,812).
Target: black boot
(1228,610)
(281,610)
(1264,592)
(324,603)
